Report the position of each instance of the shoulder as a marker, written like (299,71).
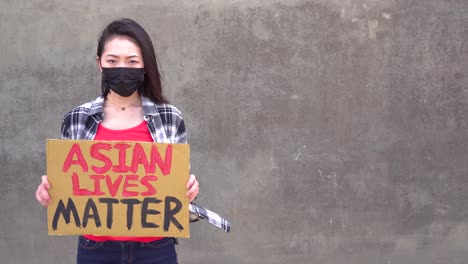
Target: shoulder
(166,117)
(86,109)
(170,115)
(168,109)
(164,110)
(79,110)
(77,120)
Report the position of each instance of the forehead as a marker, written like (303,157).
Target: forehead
(121,45)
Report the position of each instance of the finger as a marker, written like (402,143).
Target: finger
(44,195)
(43,203)
(45,182)
(41,197)
(190,181)
(191,199)
(38,198)
(193,188)
(193,196)
(193,192)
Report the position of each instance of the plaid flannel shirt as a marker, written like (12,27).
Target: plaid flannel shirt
(165,124)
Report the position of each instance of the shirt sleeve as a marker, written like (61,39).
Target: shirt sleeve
(181,134)
(65,131)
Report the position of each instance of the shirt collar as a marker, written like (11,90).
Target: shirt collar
(97,106)
(149,107)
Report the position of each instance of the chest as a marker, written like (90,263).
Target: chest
(117,119)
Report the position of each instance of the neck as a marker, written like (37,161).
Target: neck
(123,101)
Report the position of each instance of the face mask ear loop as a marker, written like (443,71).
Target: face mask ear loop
(100,65)
(105,89)
(141,89)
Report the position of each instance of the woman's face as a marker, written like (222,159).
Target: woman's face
(121,51)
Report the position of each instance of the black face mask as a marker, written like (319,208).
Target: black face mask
(123,81)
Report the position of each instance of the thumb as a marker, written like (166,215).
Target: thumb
(45,182)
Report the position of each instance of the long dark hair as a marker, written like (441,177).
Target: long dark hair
(128,27)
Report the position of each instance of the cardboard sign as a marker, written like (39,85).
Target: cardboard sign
(114,188)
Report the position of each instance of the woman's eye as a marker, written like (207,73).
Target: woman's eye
(111,61)
(133,61)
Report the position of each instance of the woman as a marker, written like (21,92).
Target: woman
(132,108)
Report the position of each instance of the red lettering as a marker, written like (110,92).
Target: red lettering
(75,151)
(150,190)
(94,152)
(76,187)
(122,147)
(139,157)
(113,186)
(127,184)
(97,184)
(156,159)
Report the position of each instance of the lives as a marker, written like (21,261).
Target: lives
(104,184)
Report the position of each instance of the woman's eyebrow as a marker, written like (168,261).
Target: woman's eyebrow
(115,56)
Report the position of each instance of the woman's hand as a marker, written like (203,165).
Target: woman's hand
(192,187)
(42,193)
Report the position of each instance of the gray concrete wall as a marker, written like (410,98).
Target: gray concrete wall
(327,131)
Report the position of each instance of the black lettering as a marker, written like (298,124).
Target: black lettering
(169,213)
(91,206)
(130,203)
(145,212)
(65,211)
(110,210)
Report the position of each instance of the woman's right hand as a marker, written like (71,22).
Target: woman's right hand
(42,193)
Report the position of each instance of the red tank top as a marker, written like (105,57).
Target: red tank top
(137,133)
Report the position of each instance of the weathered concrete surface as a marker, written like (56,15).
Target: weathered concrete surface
(326,131)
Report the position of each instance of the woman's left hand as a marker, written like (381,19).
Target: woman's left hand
(192,187)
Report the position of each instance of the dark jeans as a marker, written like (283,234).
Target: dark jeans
(116,252)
